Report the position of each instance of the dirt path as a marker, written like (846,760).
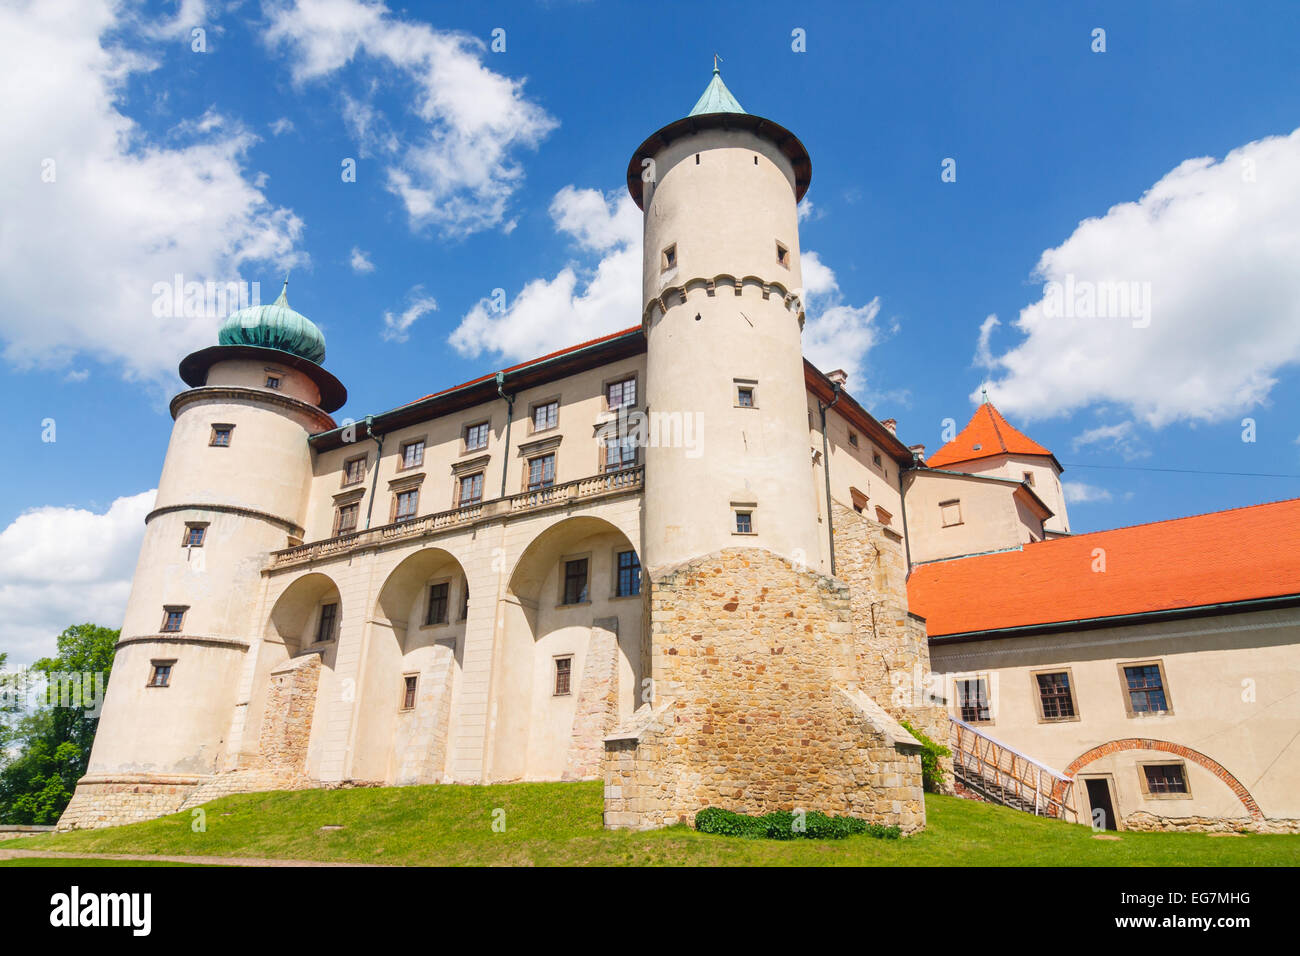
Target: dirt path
(157,858)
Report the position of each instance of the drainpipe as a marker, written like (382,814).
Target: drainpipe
(902,500)
(379,453)
(826,470)
(510,414)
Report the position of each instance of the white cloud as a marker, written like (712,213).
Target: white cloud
(1078,492)
(396,327)
(62,566)
(1121,437)
(79,256)
(835,335)
(360,261)
(983,355)
(281,126)
(807,212)
(1218,244)
(460,172)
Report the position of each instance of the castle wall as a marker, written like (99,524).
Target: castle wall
(991,517)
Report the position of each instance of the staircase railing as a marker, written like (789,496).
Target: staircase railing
(1034,786)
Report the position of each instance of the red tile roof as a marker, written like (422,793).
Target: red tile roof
(985,435)
(1223,557)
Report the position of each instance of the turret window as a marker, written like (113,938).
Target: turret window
(173,619)
(194,534)
(744,522)
(782,255)
(746,393)
(669,258)
(160,674)
(221,436)
(273,381)
(1029,478)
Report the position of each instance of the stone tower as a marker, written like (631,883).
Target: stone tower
(723,317)
(233,488)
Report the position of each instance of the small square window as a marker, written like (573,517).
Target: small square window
(194,535)
(563,676)
(413,454)
(853,439)
(173,619)
(273,381)
(745,396)
(470,490)
(669,258)
(161,674)
(1029,478)
(354,471)
(1164,778)
(406,504)
(575,581)
(409,683)
(875,459)
(744,522)
(782,255)
(476,436)
(950,512)
(629,574)
(546,416)
(221,436)
(436,613)
(345,518)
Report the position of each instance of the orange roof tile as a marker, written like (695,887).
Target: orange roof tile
(985,435)
(1222,557)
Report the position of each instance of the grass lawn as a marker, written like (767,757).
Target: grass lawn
(88,861)
(559,824)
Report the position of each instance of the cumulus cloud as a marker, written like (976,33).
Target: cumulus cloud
(1215,244)
(96,214)
(983,354)
(461,171)
(62,566)
(360,261)
(835,334)
(281,126)
(397,326)
(1121,437)
(1078,492)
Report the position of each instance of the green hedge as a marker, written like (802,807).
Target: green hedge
(780,825)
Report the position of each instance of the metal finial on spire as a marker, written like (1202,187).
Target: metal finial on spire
(984,390)
(283,297)
(716,59)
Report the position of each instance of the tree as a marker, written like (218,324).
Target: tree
(54,740)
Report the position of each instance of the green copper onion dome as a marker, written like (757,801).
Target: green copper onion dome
(275,326)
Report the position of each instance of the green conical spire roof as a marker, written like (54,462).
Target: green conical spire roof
(275,326)
(717,98)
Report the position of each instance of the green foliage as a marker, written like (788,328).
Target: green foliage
(782,825)
(931,772)
(43,752)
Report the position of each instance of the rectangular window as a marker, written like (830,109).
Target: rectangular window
(973,699)
(782,255)
(173,619)
(409,683)
(161,674)
(620,452)
(546,416)
(575,581)
(413,454)
(1029,478)
(194,534)
(744,522)
(1146,689)
(621,394)
(853,439)
(950,511)
(541,472)
(471,490)
(476,436)
(629,574)
(437,610)
(407,504)
(221,436)
(345,518)
(1055,696)
(354,470)
(745,396)
(875,459)
(1165,778)
(670,252)
(273,381)
(329,619)
(563,675)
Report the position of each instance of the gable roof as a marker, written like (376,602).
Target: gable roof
(987,434)
(1226,557)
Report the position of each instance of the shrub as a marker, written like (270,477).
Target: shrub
(780,825)
(931,772)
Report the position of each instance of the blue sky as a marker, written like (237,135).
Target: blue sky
(226,164)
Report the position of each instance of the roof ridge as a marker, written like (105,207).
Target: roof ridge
(994,415)
(1147,524)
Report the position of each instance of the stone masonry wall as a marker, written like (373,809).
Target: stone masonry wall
(597,705)
(752,661)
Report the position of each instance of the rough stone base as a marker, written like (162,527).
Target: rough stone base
(110,801)
(1150,823)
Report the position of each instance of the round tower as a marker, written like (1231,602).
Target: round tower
(234,487)
(728,458)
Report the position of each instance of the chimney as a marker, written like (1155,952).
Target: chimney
(892,425)
(918,452)
(839,377)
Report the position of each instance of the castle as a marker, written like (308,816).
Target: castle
(675,558)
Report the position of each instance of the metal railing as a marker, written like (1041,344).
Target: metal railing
(1009,776)
(595,486)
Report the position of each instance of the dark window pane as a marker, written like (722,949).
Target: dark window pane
(563,673)
(437,612)
(629,574)
(575,581)
(1054,692)
(1146,693)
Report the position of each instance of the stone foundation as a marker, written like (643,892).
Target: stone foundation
(1150,823)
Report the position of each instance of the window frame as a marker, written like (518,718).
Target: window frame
(190,527)
(620,381)
(168,611)
(528,471)
(157,666)
(1145,784)
(957,698)
(422,441)
(320,623)
(1038,696)
(465,447)
(618,573)
(782,254)
(461,502)
(273,381)
(221,428)
(668,254)
(398,493)
(410,691)
(585,594)
(1128,694)
(747,512)
(943,516)
(742,386)
(361,478)
(568,675)
(532,415)
(339,508)
(445,584)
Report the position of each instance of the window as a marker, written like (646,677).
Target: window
(1145,686)
(345,518)
(221,436)
(853,439)
(629,574)
(745,396)
(436,613)
(409,683)
(575,581)
(354,470)
(1029,478)
(875,459)
(1055,698)
(161,674)
(669,258)
(464,601)
(413,454)
(621,394)
(1164,779)
(620,452)
(173,619)
(950,511)
(476,436)
(744,522)
(546,416)
(541,472)
(406,504)
(194,534)
(471,490)
(563,675)
(782,255)
(329,619)
(973,699)
(273,381)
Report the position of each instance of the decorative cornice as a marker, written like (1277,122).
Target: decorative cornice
(470,464)
(711,286)
(319,419)
(538,446)
(279,522)
(206,640)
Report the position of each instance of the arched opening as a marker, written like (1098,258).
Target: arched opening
(416,638)
(571,661)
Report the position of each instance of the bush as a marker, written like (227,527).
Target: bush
(931,772)
(780,825)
